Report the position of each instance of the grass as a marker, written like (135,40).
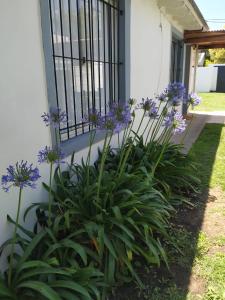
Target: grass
(209,152)
(208,251)
(211,102)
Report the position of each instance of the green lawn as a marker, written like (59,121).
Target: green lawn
(211,102)
(207,249)
(209,152)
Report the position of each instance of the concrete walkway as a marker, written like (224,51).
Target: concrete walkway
(197,122)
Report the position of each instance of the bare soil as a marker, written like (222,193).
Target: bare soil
(208,216)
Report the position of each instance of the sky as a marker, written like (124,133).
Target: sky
(213,9)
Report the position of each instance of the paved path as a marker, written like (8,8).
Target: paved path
(199,119)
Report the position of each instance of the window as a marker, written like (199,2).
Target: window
(87,61)
(176,60)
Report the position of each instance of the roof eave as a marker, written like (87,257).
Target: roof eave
(184,12)
(199,14)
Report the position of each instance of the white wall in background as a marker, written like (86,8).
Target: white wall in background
(206,79)
(23,95)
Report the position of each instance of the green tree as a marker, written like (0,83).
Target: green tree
(217,56)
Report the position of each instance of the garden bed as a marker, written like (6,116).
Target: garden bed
(198,272)
(103,222)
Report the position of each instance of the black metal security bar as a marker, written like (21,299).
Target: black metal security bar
(85,50)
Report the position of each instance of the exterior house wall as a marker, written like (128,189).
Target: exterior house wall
(23,89)
(150,49)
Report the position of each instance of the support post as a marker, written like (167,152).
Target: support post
(195,69)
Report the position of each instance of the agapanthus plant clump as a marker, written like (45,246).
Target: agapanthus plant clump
(106,214)
(21,175)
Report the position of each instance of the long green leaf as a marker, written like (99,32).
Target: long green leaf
(34,242)
(41,288)
(70,285)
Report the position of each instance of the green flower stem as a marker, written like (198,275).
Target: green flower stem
(157,127)
(142,119)
(103,159)
(146,126)
(57,146)
(124,136)
(118,139)
(165,141)
(56,137)
(14,239)
(125,160)
(49,195)
(159,123)
(153,122)
(124,154)
(92,138)
(91,141)
(150,130)
(160,139)
(127,153)
(127,132)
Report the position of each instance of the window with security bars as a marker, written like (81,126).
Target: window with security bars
(85,48)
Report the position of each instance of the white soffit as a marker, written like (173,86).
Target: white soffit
(182,12)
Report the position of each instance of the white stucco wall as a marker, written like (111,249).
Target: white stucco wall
(23,95)
(150,49)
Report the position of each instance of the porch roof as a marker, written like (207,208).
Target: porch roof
(205,39)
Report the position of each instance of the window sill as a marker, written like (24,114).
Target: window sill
(81,142)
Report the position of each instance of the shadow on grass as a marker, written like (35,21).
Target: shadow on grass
(161,284)
(204,153)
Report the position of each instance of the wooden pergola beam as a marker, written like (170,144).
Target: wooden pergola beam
(200,34)
(211,46)
(205,39)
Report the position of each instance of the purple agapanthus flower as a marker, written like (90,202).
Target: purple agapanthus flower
(145,104)
(93,118)
(51,156)
(121,114)
(132,101)
(153,112)
(110,124)
(55,117)
(193,99)
(163,97)
(21,175)
(175,93)
(175,120)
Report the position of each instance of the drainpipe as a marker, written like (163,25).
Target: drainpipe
(195,69)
